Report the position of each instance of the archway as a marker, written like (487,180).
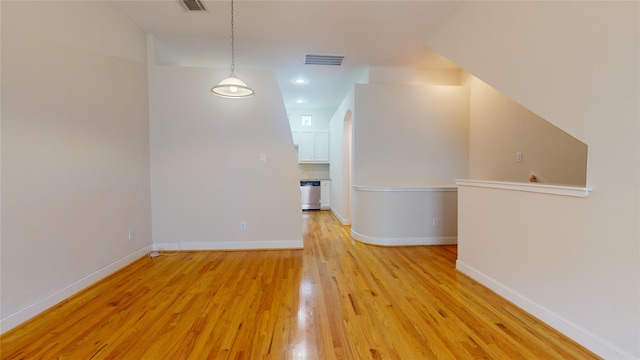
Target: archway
(347,153)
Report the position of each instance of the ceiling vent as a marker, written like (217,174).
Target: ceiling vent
(330,60)
(192,5)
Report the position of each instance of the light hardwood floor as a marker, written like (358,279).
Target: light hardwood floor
(336,299)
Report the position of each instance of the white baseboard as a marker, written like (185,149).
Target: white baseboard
(407,241)
(578,334)
(20,316)
(230,245)
(342,220)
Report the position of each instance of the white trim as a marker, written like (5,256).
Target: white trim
(430,188)
(229,245)
(575,191)
(26,313)
(342,220)
(580,335)
(407,241)
(166,246)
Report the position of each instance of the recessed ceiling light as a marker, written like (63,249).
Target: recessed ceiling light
(300,81)
(299,101)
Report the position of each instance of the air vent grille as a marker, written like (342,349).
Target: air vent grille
(330,60)
(193,5)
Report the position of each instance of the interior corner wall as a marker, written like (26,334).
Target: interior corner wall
(75,151)
(575,262)
(206,173)
(500,128)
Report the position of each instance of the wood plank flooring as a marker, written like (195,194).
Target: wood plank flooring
(336,299)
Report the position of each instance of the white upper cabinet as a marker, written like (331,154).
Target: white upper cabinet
(313,146)
(305,146)
(321,146)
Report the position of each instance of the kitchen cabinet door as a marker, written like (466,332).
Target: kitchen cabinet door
(305,146)
(313,146)
(321,146)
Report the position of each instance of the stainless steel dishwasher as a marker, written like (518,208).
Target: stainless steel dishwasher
(310,194)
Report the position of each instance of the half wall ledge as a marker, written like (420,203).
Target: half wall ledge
(561,190)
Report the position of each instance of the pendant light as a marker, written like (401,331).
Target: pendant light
(232,87)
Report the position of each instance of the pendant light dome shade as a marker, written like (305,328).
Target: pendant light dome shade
(232,87)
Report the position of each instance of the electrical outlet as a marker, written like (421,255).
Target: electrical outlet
(519,156)
(435,222)
(243,225)
(130,234)
(263,158)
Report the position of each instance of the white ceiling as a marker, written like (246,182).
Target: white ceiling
(277,34)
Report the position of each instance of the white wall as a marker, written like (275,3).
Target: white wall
(549,153)
(339,145)
(390,216)
(75,151)
(575,262)
(408,135)
(410,76)
(205,172)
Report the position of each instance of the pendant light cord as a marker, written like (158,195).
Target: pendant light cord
(233,57)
